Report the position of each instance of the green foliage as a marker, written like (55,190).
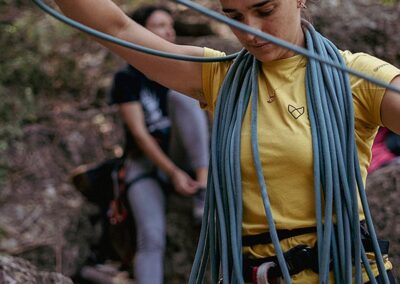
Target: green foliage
(34,45)
(16,3)
(33,67)
(390,2)
(2,233)
(20,63)
(19,68)
(15,111)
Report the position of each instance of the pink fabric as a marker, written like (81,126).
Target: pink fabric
(380,153)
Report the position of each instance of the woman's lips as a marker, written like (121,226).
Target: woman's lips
(260,45)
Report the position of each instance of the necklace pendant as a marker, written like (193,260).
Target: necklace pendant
(271,98)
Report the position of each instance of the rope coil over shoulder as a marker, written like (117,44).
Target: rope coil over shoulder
(337,178)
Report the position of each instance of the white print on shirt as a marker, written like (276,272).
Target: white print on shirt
(152,111)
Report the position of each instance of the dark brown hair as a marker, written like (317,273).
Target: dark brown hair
(141,14)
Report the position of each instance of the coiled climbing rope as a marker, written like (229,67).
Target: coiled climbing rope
(337,178)
(336,172)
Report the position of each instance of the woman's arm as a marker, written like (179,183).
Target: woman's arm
(132,115)
(390,108)
(201,176)
(107,17)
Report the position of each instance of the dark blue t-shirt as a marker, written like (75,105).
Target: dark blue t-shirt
(130,85)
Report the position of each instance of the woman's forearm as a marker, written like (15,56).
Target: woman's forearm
(201,176)
(107,17)
(153,151)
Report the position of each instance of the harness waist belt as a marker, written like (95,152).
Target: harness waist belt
(297,258)
(265,238)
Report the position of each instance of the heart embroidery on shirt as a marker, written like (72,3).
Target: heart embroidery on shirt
(295,112)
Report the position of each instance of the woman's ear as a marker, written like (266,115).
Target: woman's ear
(301,4)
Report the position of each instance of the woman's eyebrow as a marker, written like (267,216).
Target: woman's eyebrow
(257,5)
(227,10)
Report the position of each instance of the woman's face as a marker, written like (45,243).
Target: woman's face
(162,24)
(280,18)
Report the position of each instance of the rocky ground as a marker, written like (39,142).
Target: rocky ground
(45,225)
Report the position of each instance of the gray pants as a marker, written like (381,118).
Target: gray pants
(189,149)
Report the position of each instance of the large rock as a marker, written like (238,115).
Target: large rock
(14,270)
(51,229)
(360,25)
(43,218)
(383,192)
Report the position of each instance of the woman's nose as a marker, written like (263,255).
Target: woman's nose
(171,34)
(254,23)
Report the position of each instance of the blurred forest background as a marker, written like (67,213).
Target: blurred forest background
(54,117)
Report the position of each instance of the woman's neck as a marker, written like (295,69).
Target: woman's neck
(299,40)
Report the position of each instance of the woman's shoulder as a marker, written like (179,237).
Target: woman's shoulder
(362,61)
(354,58)
(209,52)
(370,65)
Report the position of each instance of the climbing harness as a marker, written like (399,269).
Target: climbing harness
(337,178)
(298,258)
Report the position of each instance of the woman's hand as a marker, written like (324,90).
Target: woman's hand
(183,183)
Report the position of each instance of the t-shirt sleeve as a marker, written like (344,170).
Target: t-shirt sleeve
(368,96)
(125,88)
(213,75)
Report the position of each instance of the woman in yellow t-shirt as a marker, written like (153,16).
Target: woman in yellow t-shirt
(284,136)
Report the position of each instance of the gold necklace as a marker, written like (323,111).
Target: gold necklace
(271,98)
(271,92)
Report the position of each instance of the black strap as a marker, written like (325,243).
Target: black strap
(298,259)
(383,245)
(265,238)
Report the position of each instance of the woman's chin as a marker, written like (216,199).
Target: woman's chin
(266,56)
(270,53)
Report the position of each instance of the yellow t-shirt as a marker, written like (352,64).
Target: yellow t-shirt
(285,145)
